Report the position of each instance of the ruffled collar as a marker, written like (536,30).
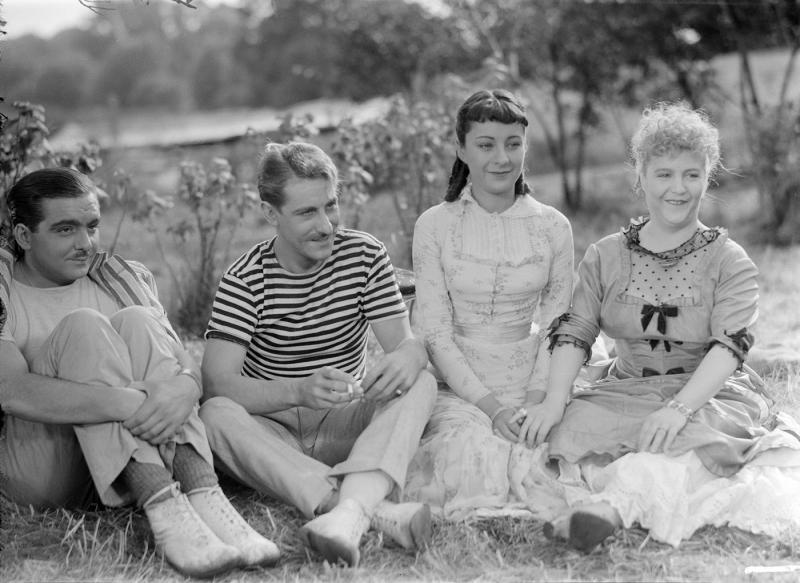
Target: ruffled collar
(698,240)
(524,205)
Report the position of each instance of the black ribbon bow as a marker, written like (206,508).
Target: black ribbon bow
(651,372)
(663,311)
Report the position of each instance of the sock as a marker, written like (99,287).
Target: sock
(191,470)
(144,480)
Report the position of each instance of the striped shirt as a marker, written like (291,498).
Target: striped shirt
(293,324)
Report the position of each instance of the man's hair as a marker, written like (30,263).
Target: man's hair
(24,200)
(282,162)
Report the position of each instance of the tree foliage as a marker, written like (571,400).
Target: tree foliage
(577,62)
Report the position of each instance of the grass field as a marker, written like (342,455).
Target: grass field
(114,545)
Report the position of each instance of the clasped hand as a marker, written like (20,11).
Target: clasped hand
(330,387)
(659,430)
(166,407)
(537,422)
(529,425)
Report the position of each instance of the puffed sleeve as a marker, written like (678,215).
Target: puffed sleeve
(557,293)
(435,313)
(581,324)
(735,301)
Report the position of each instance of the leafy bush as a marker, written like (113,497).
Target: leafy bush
(405,152)
(201,229)
(24,148)
(774,140)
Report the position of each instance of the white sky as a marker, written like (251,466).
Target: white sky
(47,17)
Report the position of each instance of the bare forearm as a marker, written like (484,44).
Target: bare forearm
(416,352)
(257,396)
(50,400)
(565,363)
(708,379)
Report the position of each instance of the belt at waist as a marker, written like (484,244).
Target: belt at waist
(502,334)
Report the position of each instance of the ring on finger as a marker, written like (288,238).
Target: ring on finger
(399,392)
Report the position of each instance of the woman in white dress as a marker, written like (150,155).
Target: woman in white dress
(493,268)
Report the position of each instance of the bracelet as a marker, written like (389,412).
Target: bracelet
(189,373)
(680,407)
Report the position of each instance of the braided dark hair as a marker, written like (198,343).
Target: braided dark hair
(486,105)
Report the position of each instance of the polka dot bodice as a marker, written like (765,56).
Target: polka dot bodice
(664,310)
(661,278)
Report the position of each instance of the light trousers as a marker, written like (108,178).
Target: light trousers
(49,465)
(298,455)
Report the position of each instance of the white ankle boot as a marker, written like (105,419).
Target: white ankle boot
(337,534)
(219,514)
(185,541)
(407,523)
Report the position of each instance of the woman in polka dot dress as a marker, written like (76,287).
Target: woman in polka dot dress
(678,432)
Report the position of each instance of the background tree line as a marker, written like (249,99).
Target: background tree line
(581,64)
(275,53)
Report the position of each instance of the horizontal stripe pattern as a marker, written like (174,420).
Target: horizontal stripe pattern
(292,324)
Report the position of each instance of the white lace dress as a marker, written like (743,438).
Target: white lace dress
(488,285)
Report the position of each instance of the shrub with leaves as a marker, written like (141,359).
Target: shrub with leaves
(774,140)
(201,227)
(24,148)
(405,152)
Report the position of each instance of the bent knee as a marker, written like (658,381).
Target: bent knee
(219,412)
(84,318)
(427,381)
(425,387)
(132,316)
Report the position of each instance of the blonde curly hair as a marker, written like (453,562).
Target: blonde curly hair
(672,128)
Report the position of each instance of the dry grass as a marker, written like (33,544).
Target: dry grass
(115,544)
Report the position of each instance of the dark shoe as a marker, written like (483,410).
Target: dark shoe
(586,530)
(582,529)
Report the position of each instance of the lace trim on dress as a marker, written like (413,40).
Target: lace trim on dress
(735,354)
(562,339)
(742,339)
(700,239)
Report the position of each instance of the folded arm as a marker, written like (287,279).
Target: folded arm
(45,399)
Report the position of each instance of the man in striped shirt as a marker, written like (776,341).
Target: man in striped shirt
(291,408)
